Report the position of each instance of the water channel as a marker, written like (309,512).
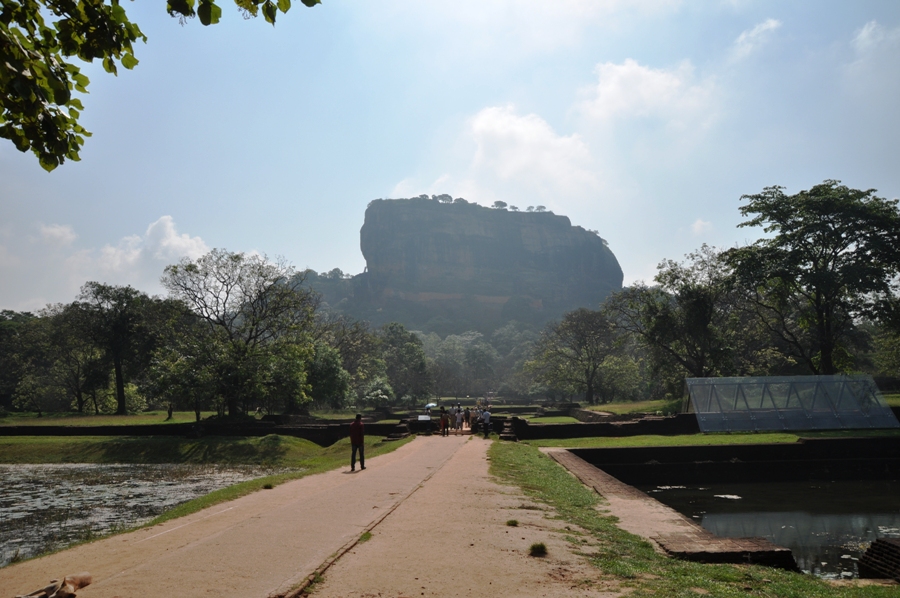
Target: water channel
(47,507)
(827,525)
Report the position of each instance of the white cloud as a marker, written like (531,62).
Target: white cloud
(160,245)
(873,37)
(57,234)
(871,80)
(700,227)
(630,90)
(515,29)
(54,268)
(511,147)
(517,158)
(749,41)
(166,244)
(8,259)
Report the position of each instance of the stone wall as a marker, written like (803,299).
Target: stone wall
(808,459)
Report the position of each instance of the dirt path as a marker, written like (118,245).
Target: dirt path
(451,538)
(434,512)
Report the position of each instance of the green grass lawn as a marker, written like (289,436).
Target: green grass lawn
(893,399)
(631,560)
(633,407)
(81,419)
(345,414)
(559,419)
(687,440)
(702,439)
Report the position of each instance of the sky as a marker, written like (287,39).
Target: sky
(646,120)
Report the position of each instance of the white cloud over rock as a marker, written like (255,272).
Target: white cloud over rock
(526,151)
(518,158)
(630,90)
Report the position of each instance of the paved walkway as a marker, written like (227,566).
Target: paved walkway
(260,545)
(438,524)
(451,538)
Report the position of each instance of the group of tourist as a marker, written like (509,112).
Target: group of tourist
(456,418)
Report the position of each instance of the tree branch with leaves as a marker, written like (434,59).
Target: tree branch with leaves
(39,40)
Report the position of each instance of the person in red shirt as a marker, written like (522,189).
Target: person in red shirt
(357,434)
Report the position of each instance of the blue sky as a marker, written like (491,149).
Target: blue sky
(645,120)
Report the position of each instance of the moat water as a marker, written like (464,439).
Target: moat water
(48,507)
(827,525)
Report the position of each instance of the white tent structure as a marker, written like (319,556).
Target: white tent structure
(778,403)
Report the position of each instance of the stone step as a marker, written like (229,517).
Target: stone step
(881,560)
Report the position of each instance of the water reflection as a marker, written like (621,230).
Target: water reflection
(827,525)
(46,507)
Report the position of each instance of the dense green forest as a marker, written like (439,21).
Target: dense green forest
(818,294)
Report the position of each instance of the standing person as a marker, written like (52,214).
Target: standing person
(357,435)
(486,420)
(445,422)
(459,420)
(467,417)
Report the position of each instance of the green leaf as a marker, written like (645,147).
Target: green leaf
(311,3)
(48,163)
(181,7)
(270,11)
(129,61)
(81,82)
(284,5)
(209,13)
(118,14)
(109,65)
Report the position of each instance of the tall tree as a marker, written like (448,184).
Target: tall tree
(252,312)
(832,257)
(406,364)
(689,319)
(38,38)
(329,382)
(569,355)
(13,352)
(117,320)
(357,345)
(80,366)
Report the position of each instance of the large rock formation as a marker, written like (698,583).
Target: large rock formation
(463,262)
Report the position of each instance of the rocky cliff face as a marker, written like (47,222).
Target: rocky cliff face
(459,259)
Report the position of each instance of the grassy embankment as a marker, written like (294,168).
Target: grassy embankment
(83,419)
(554,419)
(893,400)
(703,439)
(137,419)
(300,457)
(630,560)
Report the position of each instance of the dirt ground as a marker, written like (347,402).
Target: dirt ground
(451,538)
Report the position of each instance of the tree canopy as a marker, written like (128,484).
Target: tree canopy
(39,39)
(570,354)
(833,257)
(253,334)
